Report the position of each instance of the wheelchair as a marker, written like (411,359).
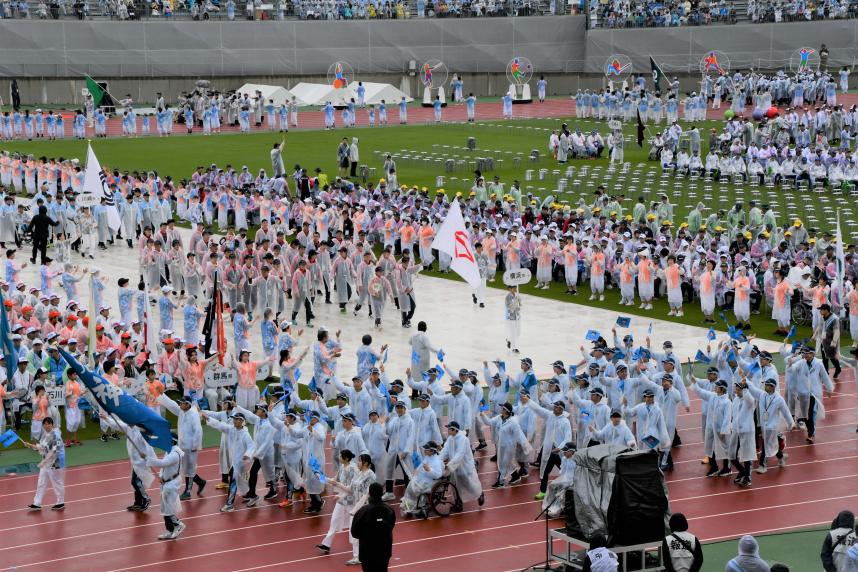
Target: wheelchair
(443,500)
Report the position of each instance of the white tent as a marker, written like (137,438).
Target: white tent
(375,92)
(274,92)
(321,93)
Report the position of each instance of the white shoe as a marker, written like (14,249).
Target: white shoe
(388,497)
(253,502)
(761,469)
(165,535)
(680,313)
(227,508)
(642,306)
(353,562)
(671,313)
(601,297)
(782,460)
(180,528)
(592,296)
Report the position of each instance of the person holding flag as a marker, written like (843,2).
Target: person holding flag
(240,449)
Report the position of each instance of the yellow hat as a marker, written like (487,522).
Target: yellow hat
(403,187)
(765,233)
(459,194)
(811,241)
(439,192)
(424,189)
(787,233)
(382,182)
(719,229)
(747,234)
(683,225)
(650,216)
(472,194)
(703,226)
(628,217)
(797,223)
(597,210)
(493,196)
(613,213)
(667,223)
(533,203)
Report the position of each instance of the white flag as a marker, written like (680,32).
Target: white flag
(453,239)
(95,186)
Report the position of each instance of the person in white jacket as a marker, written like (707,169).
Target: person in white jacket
(190,439)
(651,429)
(425,422)
(375,438)
(772,409)
(716,441)
(457,402)
(314,435)
(240,446)
(170,465)
(291,454)
(459,461)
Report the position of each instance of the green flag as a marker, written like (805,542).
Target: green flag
(657,74)
(96,90)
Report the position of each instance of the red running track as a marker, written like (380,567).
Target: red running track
(96,533)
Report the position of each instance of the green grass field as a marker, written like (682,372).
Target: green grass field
(421,150)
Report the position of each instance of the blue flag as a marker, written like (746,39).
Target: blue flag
(736,334)
(502,366)
(731,356)
(297,374)
(623,321)
(384,357)
(483,406)
(702,358)
(314,464)
(440,370)
(415,357)
(711,335)
(649,329)
(111,398)
(312,385)
(789,335)
(416,459)
(264,392)
(441,355)
(8,438)
(592,335)
(636,354)
(372,359)
(6,346)
(754,367)
(619,354)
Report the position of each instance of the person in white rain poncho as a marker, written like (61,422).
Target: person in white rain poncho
(431,469)
(190,439)
(263,452)
(341,516)
(809,376)
(459,461)
(719,415)
(400,434)
(742,440)
(553,501)
(426,427)
(557,432)
(170,465)
(772,410)
(240,449)
(614,433)
(651,428)
(139,451)
(513,448)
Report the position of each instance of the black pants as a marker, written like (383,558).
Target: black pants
(40,246)
(810,422)
(406,316)
(253,477)
(353,171)
(834,361)
(744,468)
(553,461)
(348,296)
(388,484)
(140,496)
(308,310)
(374,564)
(170,522)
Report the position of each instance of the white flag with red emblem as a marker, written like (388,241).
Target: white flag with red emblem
(454,239)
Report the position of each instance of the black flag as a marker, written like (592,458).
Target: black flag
(640,130)
(213,324)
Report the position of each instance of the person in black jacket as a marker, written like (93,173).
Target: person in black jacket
(373,526)
(838,541)
(40,228)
